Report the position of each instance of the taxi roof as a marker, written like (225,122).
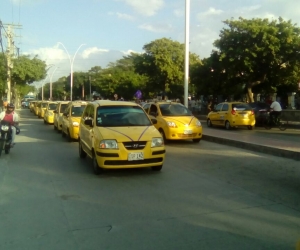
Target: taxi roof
(113,103)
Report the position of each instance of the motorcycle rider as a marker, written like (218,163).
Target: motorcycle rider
(13,118)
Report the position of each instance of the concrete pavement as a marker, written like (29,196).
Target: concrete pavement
(274,142)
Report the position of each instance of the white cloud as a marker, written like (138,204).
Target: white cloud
(147,8)
(94,50)
(210,12)
(158,28)
(179,13)
(121,15)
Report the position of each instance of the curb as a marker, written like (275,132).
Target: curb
(254,147)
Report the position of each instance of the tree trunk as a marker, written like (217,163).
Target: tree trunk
(250,85)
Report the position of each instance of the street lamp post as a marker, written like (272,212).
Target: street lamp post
(50,66)
(51,83)
(71,64)
(187,52)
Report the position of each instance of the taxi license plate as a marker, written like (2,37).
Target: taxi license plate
(136,156)
(187,132)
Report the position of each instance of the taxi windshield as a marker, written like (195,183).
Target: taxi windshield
(77,110)
(63,107)
(122,116)
(174,109)
(52,106)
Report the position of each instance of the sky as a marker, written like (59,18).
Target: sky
(88,33)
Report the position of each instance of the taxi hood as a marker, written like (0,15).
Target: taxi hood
(181,120)
(135,133)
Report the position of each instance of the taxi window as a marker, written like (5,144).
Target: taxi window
(63,107)
(77,111)
(121,116)
(241,107)
(44,105)
(218,107)
(146,107)
(52,106)
(225,107)
(174,109)
(153,110)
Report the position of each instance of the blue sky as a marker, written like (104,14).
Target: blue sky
(111,29)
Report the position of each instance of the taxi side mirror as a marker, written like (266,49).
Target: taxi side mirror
(154,121)
(89,122)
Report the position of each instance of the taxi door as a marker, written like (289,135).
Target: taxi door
(65,120)
(224,114)
(153,113)
(86,132)
(214,115)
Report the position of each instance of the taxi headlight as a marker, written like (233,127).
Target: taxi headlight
(198,123)
(172,124)
(157,142)
(109,144)
(75,124)
(4,128)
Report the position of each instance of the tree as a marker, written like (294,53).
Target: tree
(3,73)
(163,64)
(259,50)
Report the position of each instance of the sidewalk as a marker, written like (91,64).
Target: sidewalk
(274,142)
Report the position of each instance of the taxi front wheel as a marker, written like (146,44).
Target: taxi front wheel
(196,140)
(97,169)
(209,124)
(227,125)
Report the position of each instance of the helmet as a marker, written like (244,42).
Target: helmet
(10,107)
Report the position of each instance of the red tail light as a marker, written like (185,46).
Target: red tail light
(233,112)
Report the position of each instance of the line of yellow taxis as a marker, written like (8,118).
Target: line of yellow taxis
(119,134)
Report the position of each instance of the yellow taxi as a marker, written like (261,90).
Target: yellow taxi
(49,112)
(42,109)
(232,114)
(71,118)
(36,108)
(118,135)
(174,121)
(58,112)
(31,106)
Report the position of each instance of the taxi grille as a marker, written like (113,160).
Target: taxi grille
(187,136)
(135,145)
(125,162)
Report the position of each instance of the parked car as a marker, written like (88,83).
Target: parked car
(71,119)
(49,112)
(58,112)
(120,135)
(231,114)
(260,111)
(174,121)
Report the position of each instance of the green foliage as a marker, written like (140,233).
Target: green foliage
(259,50)
(3,73)
(27,70)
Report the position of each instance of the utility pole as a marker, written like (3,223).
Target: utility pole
(10,55)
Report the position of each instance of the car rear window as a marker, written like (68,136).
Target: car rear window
(241,107)
(77,110)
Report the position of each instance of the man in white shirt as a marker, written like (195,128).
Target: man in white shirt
(276,110)
(12,117)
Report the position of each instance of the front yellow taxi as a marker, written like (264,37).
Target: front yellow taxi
(120,135)
(71,119)
(232,114)
(49,113)
(175,121)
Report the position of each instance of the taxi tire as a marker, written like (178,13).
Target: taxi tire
(227,125)
(96,168)
(163,136)
(45,121)
(250,127)
(197,140)
(69,136)
(157,168)
(63,133)
(208,122)
(82,153)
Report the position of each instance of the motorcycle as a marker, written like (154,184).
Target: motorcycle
(6,136)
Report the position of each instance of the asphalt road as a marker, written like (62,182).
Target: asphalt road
(207,196)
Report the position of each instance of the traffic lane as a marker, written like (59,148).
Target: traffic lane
(189,205)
